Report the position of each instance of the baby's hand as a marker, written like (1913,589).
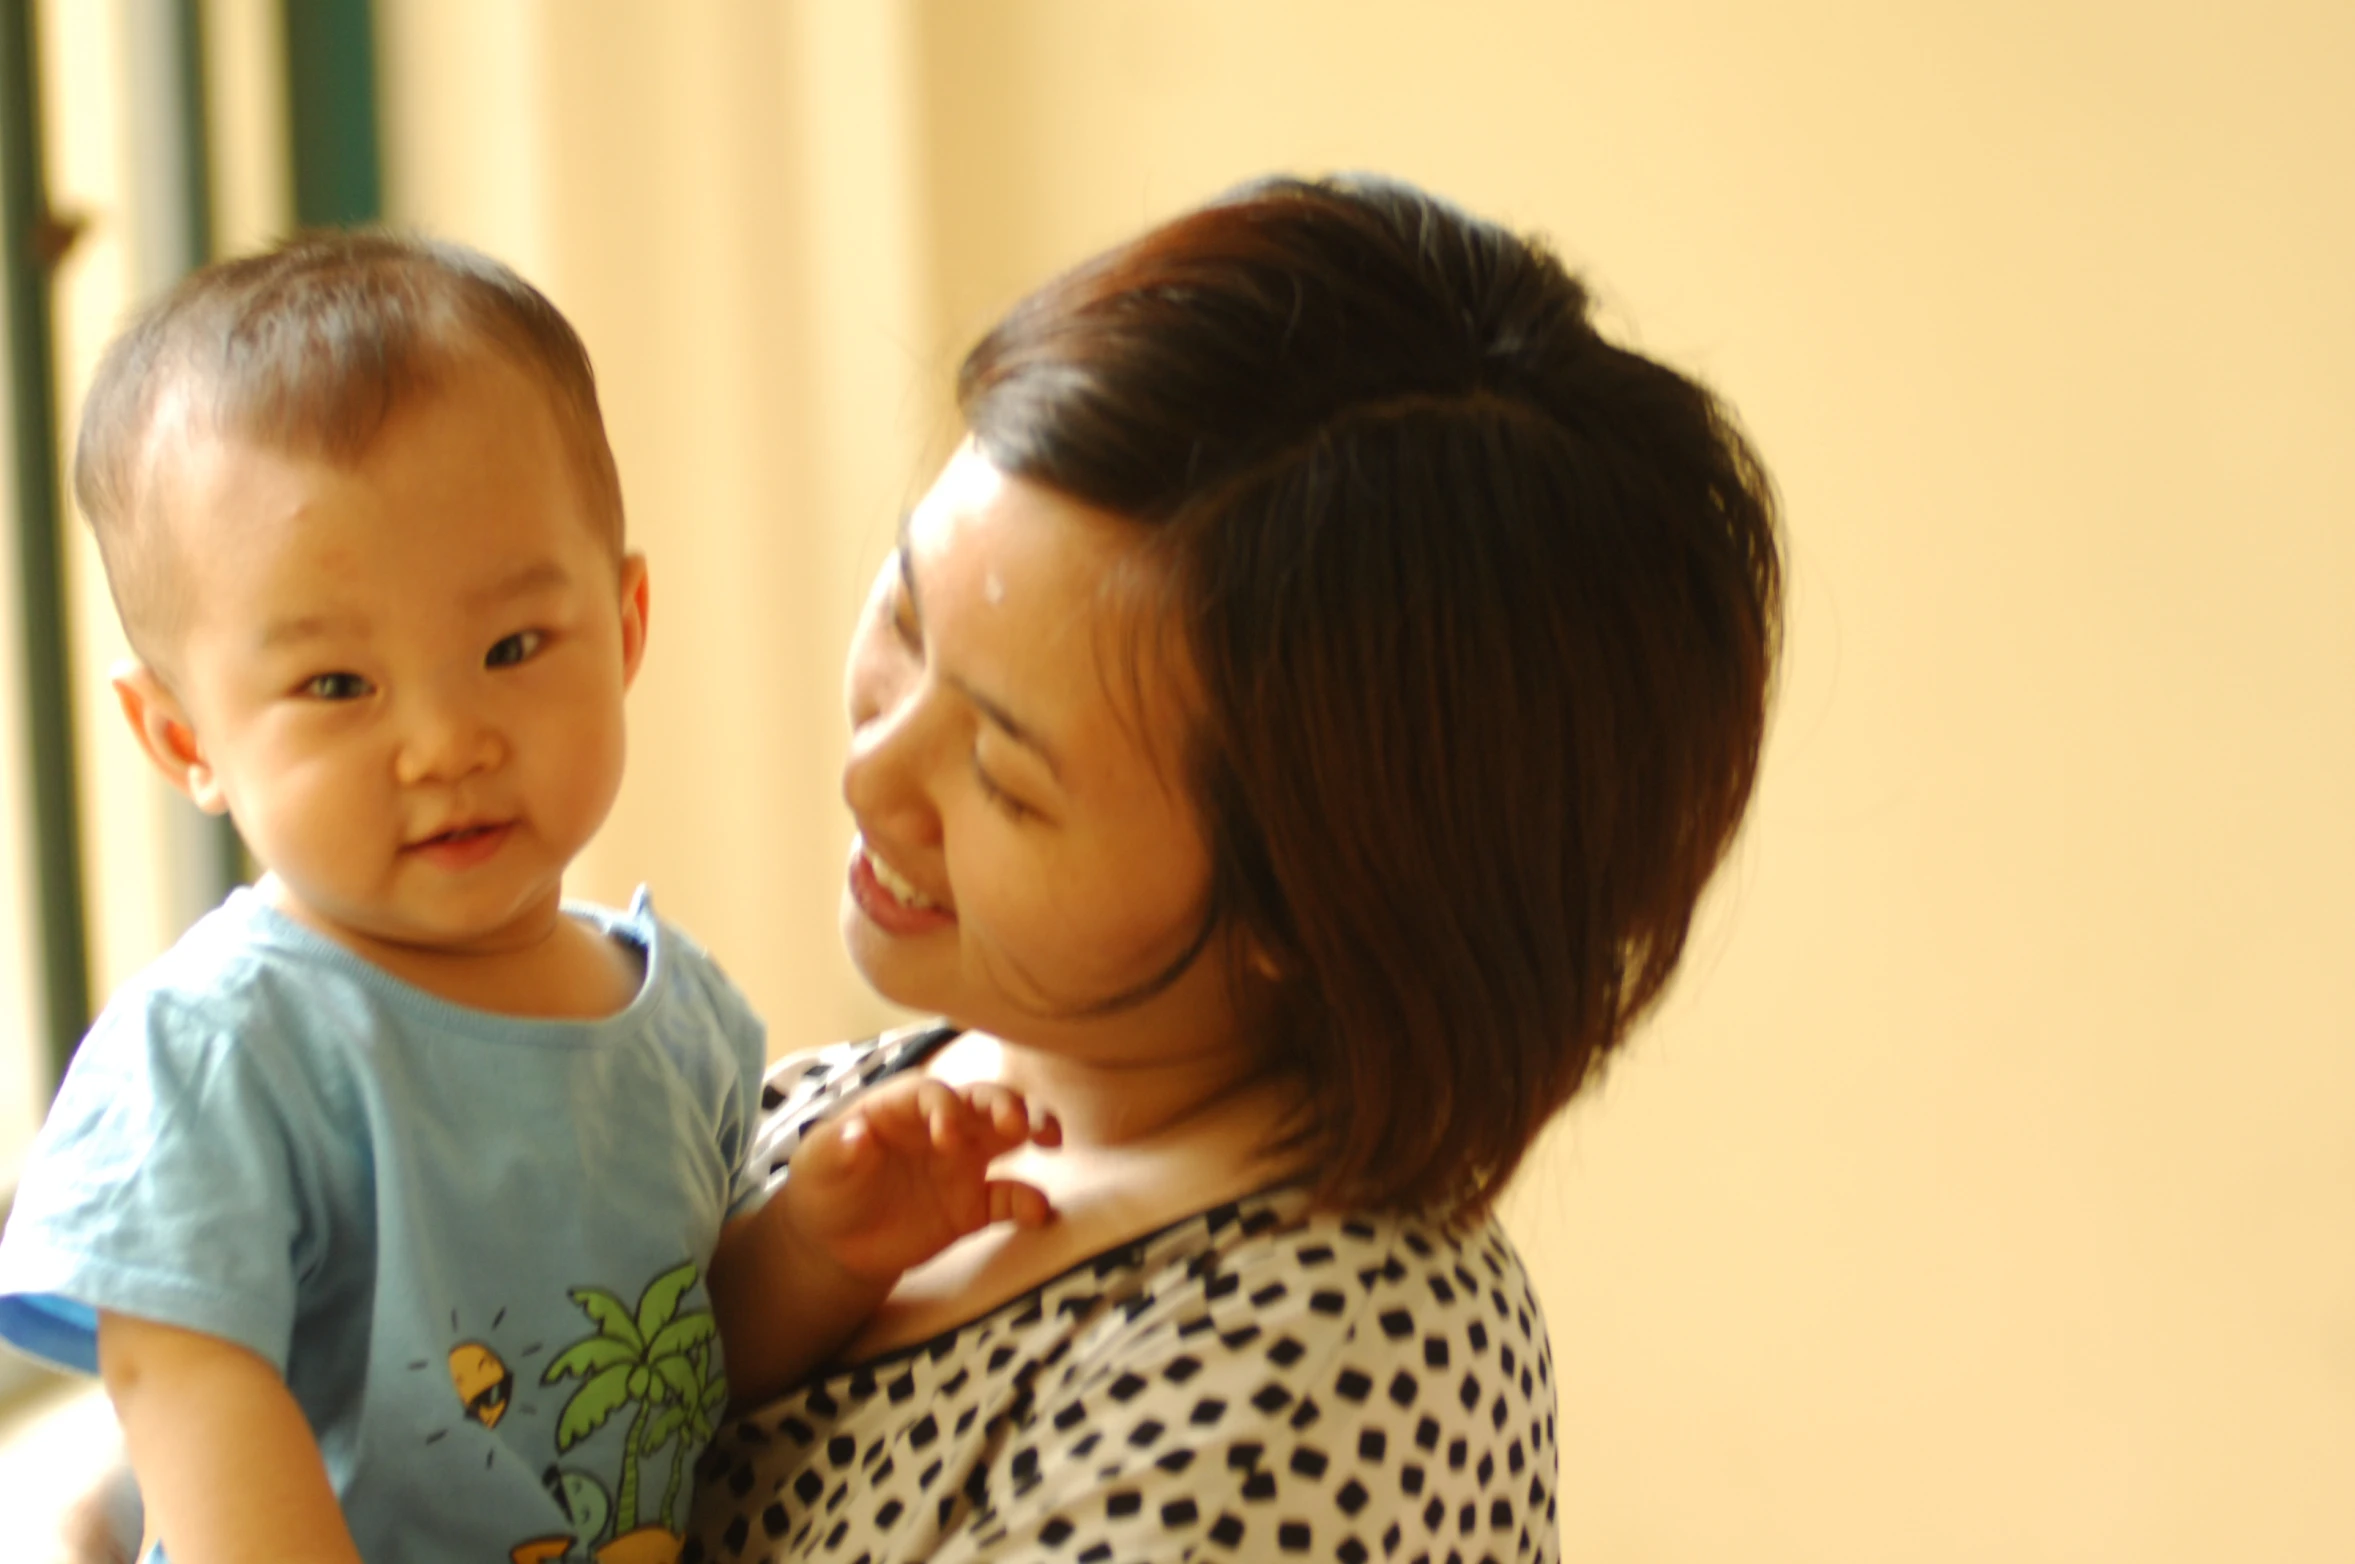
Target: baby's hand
(903,1172)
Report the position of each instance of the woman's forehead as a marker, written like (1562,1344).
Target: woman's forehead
(995,532)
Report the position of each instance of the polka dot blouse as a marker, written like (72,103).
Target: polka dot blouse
(1257,1381)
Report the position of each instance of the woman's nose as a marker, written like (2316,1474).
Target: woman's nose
(884,778)
(444,738)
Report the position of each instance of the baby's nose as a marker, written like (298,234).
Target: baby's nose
(447,739)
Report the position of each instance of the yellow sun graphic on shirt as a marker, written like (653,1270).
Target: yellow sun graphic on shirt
(480,1379)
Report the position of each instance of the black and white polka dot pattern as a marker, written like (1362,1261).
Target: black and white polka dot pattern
(1259,1381)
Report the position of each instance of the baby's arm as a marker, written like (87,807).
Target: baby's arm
(891,1180)
(225,1458)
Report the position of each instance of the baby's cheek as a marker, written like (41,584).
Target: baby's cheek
(581,777)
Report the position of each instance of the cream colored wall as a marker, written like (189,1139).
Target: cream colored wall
(1985,1191)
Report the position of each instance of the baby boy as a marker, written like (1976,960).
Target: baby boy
(402,1205)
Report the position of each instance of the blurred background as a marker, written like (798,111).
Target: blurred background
(1986,1189)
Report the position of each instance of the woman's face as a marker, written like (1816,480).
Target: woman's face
(1026,851)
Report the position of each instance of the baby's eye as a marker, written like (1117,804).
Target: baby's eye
(513,649)
(336,687)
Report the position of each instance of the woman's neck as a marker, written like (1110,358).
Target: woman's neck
(1146,1142)
(1123,1103)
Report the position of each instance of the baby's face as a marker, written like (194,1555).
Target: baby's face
(405,676)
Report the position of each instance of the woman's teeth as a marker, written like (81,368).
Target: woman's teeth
(891,880)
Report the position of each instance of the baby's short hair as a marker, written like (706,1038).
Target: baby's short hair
(308,348)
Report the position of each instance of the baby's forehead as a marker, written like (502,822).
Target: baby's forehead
(451,479)
(194,416)
(333,406)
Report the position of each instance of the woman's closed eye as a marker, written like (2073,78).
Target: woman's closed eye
(898,589)
(509,650)
(903,624)
(1013,808)
(337,687)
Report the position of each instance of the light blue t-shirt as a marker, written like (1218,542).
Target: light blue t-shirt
(474,1244)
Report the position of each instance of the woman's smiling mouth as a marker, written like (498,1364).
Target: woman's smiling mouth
(889,899)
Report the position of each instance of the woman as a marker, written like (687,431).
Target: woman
(1289,743)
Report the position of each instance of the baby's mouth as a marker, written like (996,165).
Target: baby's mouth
(459,837)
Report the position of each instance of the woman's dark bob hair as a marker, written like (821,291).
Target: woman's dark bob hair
(1482,611)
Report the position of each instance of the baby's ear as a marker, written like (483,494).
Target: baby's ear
(633,616)
(165,733)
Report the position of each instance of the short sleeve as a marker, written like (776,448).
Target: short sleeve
(712,1026)
(748,1051)
(160,1187)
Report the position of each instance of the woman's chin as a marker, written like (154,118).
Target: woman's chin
(885,962)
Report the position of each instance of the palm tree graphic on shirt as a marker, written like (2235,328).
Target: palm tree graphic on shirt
(655,1359)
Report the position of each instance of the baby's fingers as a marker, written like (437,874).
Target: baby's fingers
(948,1120)
(1024,1205)
(1010,1120)
(914,1117)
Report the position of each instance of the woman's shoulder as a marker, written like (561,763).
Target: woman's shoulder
(1357,1371)
(1395,1311)
(1362,1376)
